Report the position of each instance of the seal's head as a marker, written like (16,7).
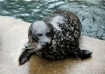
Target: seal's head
(39,35)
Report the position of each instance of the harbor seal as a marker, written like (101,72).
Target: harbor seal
(55,37)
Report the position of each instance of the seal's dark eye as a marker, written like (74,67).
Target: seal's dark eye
(39,34)
(48,34)
(34,39)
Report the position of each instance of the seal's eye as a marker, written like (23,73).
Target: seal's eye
(48,34)
(39,34)
(34,39)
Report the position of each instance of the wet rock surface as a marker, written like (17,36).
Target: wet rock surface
(13,35)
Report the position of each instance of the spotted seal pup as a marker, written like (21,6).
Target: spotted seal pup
(55,37)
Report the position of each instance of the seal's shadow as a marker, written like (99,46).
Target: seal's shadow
(42,66)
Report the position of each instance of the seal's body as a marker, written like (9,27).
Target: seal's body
(55,37)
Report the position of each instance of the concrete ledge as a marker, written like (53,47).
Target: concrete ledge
(13,35)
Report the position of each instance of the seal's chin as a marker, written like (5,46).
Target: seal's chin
(40,46)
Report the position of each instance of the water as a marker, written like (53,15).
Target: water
(90,12)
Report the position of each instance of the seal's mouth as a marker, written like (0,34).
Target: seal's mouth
(46,45)
(40,46)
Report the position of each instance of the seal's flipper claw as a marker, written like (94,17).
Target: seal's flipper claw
(85,54)
(25,56)
(22,60)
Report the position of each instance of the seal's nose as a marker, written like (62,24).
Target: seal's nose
(48,43)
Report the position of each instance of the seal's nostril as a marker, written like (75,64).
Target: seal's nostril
(47,43)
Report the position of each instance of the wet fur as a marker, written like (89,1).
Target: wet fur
(55,37)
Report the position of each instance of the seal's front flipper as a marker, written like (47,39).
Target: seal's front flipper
(25,56)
